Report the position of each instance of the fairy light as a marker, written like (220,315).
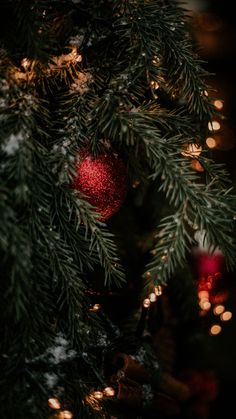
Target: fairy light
(95,307)
(66,60)
(218,104)
(156,60)
(25,63)
(148,274)
(98,394)
(226,316)
(54,403)
(79,58)
(74,56)
(192,150)
(205,305)
(135,184)
(158,290)
(109,392)
(152,297)
(25,72)
(219,309)
(203,294)
(204,302)
(211,142)
(146,303)
(215,329)
(93,401)
(154,85)
(66,414)
(213,126)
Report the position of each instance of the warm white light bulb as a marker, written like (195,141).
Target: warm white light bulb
(215,329)
(54,403)
(109,391)
(146,303)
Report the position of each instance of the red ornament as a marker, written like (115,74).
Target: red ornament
(103,180)
(210,269)
(208,264)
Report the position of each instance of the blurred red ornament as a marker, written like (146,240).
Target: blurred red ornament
(103,179)
(209,271)
(208,264)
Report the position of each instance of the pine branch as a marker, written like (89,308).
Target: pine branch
(211,208)
(173,242)
(156,34)
(180,184)
(101,242)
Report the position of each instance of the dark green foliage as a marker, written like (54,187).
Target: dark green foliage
(139,85)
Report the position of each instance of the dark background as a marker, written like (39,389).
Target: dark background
(215,29)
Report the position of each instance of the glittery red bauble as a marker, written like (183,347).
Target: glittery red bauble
(210,269)
(103,180)
(209,264)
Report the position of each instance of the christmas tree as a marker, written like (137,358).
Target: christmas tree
(107,186)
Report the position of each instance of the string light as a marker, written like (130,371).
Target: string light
(215,329)
(109,391)
(156,60)
(27,72)
(158,290)
(25,63)
(227,315)
(54,403)
(211,142)
(203,294)
(192,150)
(218,104)
(219,309)
(154,85)
(213,126)
(74,56)
(146,303)
(66,414)
(93,402)
(95,307)
(152,297)
(66,60)
(205,305)
(135,184)
(97,394)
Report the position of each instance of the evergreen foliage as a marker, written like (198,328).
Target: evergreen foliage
(75,75)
